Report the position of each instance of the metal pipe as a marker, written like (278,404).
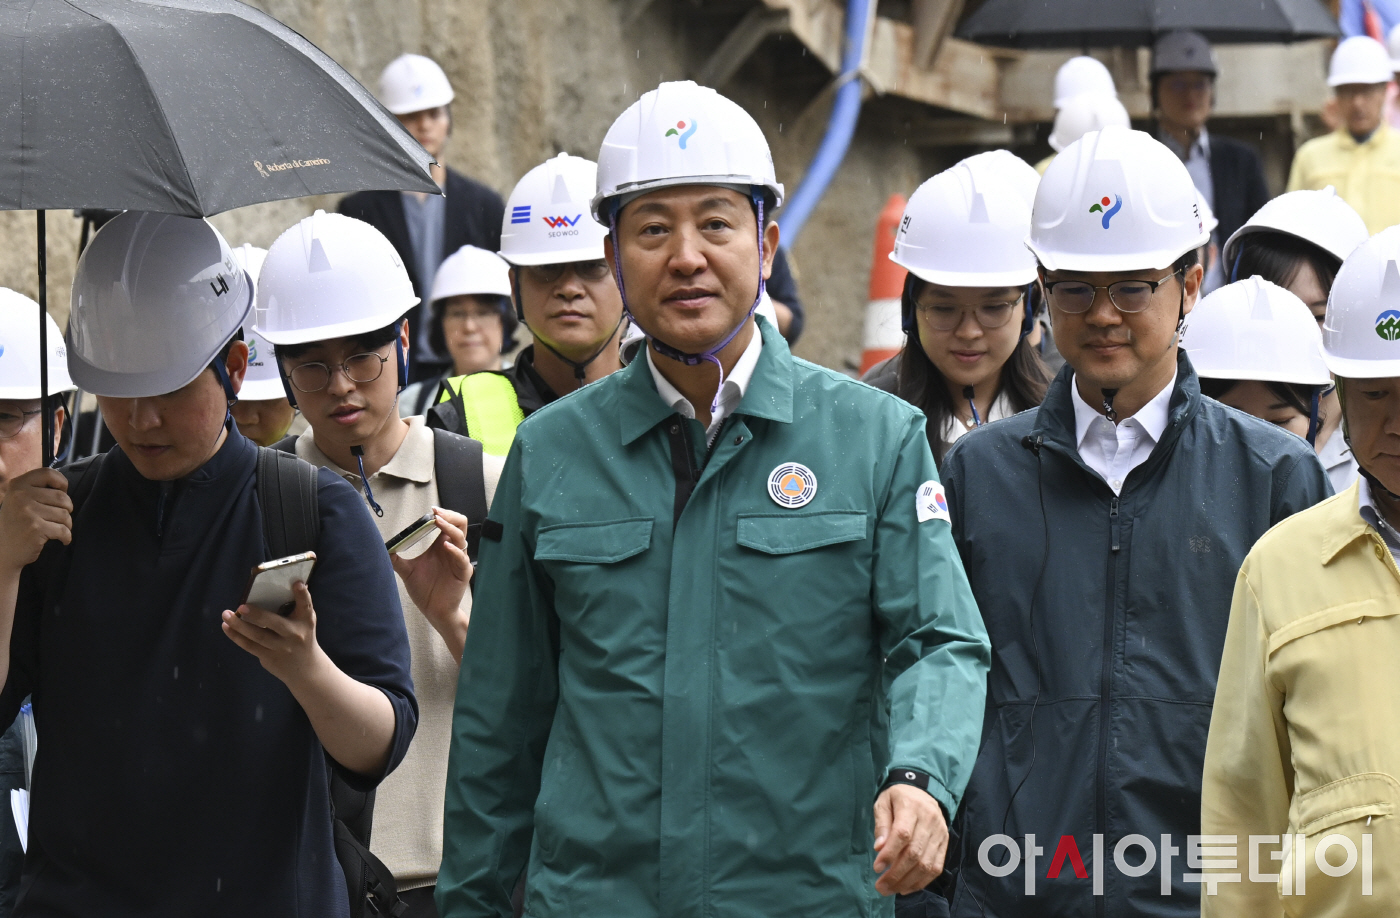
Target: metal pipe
(839,129)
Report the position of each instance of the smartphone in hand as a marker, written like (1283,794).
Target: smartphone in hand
(270,583)
(414,533)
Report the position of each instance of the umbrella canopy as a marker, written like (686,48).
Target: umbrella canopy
(188,107)
(1108,23)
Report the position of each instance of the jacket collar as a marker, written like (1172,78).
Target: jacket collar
(769,393)
(1343,523)
(1378,137)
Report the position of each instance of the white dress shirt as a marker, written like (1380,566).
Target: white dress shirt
(1114,450)
(730,394)
(953,428)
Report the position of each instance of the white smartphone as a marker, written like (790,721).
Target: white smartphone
(270,583)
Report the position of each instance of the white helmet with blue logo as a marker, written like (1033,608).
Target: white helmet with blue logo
(682,134)
(1115,200)
(19,349)
(1361,334)
(548,219)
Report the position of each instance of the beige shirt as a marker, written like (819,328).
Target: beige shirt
(407,833)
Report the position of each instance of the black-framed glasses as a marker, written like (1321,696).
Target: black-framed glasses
(12,422)
(361,368)
(550,274)
(1128,296)
(947,317)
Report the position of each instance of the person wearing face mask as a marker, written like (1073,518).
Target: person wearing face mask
(564,295)
(724,660)
(966,304)
(1298,241)
(1256,347)
(472,319)
(425,228)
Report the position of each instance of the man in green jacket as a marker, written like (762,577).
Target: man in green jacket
(720,612)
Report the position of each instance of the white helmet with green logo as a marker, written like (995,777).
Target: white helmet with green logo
(1361,334)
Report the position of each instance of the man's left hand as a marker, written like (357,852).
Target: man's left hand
(911,840)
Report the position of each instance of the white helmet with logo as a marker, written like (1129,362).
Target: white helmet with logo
(19,349)
(1115,200)
(263,381)
(1253,329)
(966,227)
(1319,217)
(547,219)
(471,270)
(1090,111)
(682,134)
(330,276)
(1359,59)
(1361,334)
(155,298)
(413,83)
(1080,75)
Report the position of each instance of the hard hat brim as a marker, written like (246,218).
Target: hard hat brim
(1351,368)
(1278,376)
(1096,262)
(531,259)
(261,390)
(649,185)
(330,332)
(421,105)
(1016,278)
(108,384)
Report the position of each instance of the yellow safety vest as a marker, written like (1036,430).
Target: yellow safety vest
(489,407)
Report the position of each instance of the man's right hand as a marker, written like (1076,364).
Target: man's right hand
(36,509)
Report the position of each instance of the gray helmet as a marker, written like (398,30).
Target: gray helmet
(1183,50)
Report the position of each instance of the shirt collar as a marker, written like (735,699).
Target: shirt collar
(414,460)
(1152,418)
(735,384)
(1201,144)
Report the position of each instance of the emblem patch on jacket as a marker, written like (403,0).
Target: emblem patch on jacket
(931,503)
(792,485)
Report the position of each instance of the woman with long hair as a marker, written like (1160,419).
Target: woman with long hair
(968,306)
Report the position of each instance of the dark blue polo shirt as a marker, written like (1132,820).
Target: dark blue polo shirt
(175,776)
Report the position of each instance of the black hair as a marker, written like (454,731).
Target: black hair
(1295,395)
(364,342)
(509,323)
(1024,378)
(1278,257)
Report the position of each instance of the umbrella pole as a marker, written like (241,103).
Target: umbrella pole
(45,416)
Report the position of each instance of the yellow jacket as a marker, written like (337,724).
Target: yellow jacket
(1366,175)
(1045,163)
(1305,734)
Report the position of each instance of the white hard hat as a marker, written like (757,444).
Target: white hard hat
(263,381)
(1320,217)
(966,227)
(682,134)
(1115,200)
(1090,111)
(19,349)
(1080,75)
(1393,46)
(413,83)
(1012,169)
(471,270)
(330,276)
(1208,219)
(1361,334)
(1359,59)
(155,298)
(547,219)
(1253,329)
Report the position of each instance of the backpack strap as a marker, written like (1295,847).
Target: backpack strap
(291,514)
(483,406)
(461,482)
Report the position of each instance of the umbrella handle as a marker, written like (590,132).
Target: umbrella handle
(45,416)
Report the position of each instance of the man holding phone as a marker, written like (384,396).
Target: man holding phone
(186,741)
(332,298)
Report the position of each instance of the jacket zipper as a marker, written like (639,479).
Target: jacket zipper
(1105,683)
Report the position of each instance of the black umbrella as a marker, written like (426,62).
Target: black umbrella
(189,107)
(1112,23)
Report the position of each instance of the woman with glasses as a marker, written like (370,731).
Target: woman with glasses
(472,321)
(967,305)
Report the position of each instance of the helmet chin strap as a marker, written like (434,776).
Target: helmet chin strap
(580,367)
(667,350)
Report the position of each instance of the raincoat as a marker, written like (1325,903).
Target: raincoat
(685,706)
(1107,617)
(1303,740)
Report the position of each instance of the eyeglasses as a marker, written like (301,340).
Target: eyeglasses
(11,423)
(550,274)
(1127,296)
(462,316)
(361,368)
(943,317)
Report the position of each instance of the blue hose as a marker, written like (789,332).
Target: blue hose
(839,129)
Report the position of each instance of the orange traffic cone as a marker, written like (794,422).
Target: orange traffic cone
(884,332)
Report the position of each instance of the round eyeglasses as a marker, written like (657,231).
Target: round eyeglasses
(1128,296)
(946,317)
(12,422)
(361,368)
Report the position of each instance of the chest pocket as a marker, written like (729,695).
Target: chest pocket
(594,543)
(789,533)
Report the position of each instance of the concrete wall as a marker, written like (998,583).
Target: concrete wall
(535,77)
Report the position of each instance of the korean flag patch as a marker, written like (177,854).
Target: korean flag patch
(931,503)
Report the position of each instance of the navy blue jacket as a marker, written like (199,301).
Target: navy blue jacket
(175,776)
(1123,602)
